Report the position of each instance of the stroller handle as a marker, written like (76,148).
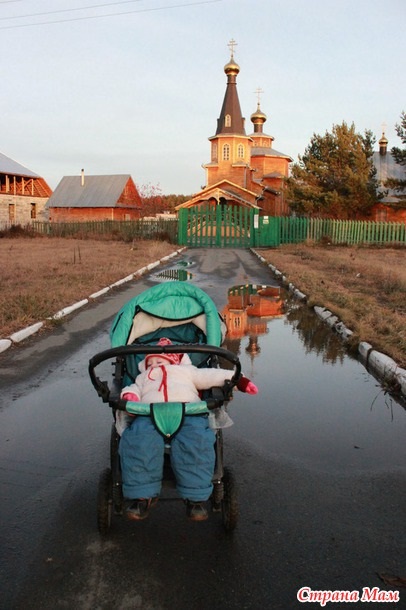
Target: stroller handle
(103,389)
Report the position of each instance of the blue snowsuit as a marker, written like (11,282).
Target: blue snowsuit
(192,458)
(141,447)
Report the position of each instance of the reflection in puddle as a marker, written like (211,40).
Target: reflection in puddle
(314,334)
(248,308)
(180,275)
(175,274)
(316,404)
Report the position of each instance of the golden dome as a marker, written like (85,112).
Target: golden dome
(258,115)
(232,67)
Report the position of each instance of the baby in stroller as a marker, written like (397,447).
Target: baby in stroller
(170,377)
(166,345)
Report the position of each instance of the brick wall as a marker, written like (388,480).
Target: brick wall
(92,214)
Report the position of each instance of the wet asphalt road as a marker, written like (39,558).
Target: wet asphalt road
(299,526)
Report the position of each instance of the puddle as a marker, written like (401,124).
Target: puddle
(177,273)
(316,404)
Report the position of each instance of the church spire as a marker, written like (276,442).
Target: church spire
(231,120)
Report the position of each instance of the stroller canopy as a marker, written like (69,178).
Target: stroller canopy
(167,306)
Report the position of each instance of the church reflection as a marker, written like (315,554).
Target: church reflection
(248,310)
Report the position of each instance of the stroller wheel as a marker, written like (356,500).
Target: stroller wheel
(229,504)
(105,501)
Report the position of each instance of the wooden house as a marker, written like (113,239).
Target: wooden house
(23,193)
(90,198)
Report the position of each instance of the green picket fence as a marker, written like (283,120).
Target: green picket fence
(238,227)
(127,230)
(351,232)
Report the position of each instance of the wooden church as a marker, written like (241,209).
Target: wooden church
(244,170)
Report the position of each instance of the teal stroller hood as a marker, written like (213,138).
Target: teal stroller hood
(182,312)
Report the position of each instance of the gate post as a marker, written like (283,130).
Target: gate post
(254,228)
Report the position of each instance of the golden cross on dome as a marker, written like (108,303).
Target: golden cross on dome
(258,91)
(231,46)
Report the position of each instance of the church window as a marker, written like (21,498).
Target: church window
(240,151)
(226,152)
(227,120)
(214,151)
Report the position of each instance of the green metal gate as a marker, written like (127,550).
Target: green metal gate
(220,226)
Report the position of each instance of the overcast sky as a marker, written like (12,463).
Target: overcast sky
(137,87)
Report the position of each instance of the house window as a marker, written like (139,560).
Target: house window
(11,212)
(226,152)
(33,211)
(240,151)
(227,120)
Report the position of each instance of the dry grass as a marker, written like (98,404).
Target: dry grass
(364,287)
(39,276)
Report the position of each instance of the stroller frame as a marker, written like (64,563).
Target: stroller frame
(110,499)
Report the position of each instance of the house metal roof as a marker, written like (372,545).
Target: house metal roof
(11,167)
(386,167)
(96,192)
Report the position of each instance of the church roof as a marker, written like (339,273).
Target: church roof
(11,167)
(267,151)
(226,188)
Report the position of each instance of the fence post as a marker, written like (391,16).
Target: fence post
(182,232)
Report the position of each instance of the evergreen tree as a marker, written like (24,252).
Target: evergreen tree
(336,176)
(400,157)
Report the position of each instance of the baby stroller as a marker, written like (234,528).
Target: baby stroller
(188,317)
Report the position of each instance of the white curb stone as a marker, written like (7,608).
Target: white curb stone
(5,344)
(401,378)
(152,265)
(67,310)
(332,321)
(95,295)
(20,335)
(322,312)
(342,330)
(299,295)
(124,280)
